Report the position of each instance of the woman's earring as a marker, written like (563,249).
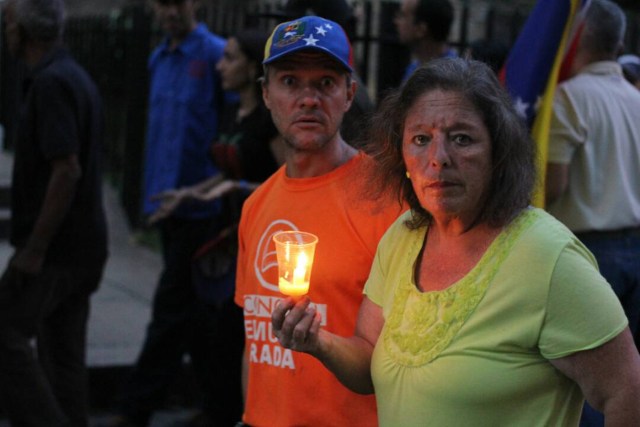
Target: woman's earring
(408,174)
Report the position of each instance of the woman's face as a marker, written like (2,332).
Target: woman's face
(447,151)
(235,68)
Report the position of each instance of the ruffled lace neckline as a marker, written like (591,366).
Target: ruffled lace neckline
(420,325)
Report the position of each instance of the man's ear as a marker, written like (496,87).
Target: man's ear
(265,94)
(351,93)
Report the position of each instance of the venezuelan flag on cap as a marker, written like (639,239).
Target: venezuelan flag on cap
(309,33)
(540,59)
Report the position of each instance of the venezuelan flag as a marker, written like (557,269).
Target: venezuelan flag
(539,59)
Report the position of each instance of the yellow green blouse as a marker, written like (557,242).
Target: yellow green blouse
(476,353)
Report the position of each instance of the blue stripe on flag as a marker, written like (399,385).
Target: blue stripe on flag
(532,56)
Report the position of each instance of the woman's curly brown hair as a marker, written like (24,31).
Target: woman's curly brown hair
(513,174)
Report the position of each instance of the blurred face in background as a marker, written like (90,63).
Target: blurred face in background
(235,68)
(12,30)
(177,18)
(405,21)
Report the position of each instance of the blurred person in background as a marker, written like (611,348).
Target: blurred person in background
(58,226)
(246,152)
(424,26)
(593,167)
(185,102)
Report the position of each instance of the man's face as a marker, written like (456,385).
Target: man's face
(307,94)
(176,17)
(15,42)
(405,21)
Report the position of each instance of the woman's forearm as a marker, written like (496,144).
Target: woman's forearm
(296,324)
(349,359)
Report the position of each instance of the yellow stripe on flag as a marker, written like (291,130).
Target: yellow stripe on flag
(542,121)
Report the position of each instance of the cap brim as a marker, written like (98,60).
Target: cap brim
(308,48)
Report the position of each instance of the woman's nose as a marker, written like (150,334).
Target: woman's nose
(438,152)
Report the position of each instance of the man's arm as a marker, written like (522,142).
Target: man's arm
(61,190)
(556,181)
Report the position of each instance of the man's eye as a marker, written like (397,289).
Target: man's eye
(288,81)
(327,83)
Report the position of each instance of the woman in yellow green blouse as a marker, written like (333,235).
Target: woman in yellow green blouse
(479,309)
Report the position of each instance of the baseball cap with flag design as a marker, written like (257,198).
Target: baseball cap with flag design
(309,33)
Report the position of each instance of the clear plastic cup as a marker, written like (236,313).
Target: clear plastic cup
(294,251)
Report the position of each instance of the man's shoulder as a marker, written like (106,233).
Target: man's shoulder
(209,38)
(64,72)
(600,73)
(60,63)
(588,89)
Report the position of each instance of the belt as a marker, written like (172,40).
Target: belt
(609,234)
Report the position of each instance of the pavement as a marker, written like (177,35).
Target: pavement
(120,309)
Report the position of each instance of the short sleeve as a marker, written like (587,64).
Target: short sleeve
(56,113)
(583,312)
(566,132)
(374,287)
(385,269)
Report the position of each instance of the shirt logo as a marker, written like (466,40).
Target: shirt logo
(265,259)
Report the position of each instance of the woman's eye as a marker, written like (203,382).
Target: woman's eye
(461,139)
(420,140)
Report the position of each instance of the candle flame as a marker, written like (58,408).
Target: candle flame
(303,260)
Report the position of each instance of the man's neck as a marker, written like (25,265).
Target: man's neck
(583,58)
(175,40)
(307,164)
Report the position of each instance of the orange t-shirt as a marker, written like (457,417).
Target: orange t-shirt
(287,388)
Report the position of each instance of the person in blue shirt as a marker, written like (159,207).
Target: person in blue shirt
(424,26)
(185,99)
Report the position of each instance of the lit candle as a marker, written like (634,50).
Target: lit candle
(299,285)
(295,251)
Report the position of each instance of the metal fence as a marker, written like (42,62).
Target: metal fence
(114,48)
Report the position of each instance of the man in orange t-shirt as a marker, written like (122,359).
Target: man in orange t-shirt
(308,88)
